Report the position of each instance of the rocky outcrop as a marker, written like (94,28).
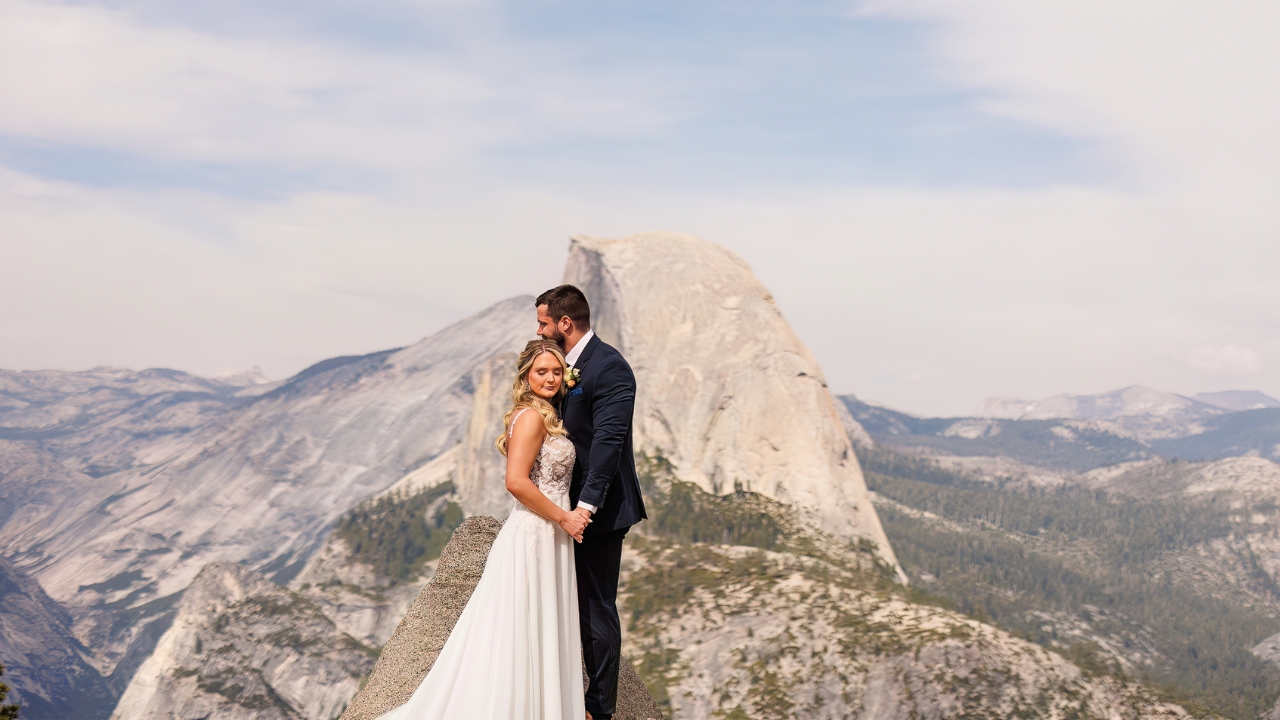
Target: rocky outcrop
(362,604)
(1247,480)
(244,648)
(726,391)
(412,650)
(739,632)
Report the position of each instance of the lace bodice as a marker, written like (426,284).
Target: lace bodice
(553,469)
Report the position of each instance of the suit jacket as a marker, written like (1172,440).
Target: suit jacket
(597,416)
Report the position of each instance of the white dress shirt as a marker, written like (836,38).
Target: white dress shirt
(571,358)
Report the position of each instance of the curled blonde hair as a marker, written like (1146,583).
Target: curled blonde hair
(523,396)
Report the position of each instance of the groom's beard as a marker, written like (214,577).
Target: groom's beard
(558,338)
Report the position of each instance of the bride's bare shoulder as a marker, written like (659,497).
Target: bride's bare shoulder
(527,424)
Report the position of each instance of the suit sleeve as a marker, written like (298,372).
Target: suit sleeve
(612,405)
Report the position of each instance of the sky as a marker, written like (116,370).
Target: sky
(949,201)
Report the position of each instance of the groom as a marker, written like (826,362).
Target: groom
(605,488)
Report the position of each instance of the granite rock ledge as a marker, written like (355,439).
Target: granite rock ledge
(412,650)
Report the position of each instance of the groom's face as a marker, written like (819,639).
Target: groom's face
(547,328)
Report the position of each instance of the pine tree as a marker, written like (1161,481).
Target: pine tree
(7,712)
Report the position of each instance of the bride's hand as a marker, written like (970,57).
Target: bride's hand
(574,524)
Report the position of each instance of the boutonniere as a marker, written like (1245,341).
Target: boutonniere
(572,376)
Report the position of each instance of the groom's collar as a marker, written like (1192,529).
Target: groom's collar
(571,357)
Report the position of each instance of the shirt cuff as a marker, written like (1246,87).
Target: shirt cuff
(589,508)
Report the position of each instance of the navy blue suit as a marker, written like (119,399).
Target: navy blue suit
(597,416)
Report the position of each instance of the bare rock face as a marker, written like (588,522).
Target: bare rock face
(361,603)
(412,650)
(242,647)
(480,467)
(726,391)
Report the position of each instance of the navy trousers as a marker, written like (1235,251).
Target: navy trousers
(598,558)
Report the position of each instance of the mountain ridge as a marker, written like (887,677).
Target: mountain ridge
(1091,438)
(1149,414)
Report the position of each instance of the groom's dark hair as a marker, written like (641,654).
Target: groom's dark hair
(566,301)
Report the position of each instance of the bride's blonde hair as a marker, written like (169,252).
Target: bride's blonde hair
(523,396)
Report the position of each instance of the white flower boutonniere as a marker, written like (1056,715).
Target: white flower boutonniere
(572,376)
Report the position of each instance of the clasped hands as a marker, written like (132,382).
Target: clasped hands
(575,522)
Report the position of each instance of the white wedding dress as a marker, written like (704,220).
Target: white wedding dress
(515,653)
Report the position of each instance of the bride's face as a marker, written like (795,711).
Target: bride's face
(546,376)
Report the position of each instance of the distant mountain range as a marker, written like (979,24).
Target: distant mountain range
(1132,400)
(1149,414)
(1083,432)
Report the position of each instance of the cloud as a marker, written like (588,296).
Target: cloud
(203,283)
(1183,88)
(1223,359)
(95,77)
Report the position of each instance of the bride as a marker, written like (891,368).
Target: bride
(516,653)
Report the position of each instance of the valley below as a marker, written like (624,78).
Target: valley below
(1081,537)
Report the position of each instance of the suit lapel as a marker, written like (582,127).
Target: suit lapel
(587,351)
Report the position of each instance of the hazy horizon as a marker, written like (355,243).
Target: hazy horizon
(231,372)
(948,203)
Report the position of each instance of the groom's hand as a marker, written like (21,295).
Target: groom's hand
(575,522)
(585,514)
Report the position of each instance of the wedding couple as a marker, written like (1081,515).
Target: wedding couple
(544,605)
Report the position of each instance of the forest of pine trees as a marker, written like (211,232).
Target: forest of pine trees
(1007,554)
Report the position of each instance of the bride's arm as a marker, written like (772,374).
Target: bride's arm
(522,451)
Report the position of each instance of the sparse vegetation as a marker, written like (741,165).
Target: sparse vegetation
(695,544)
(685,513)
(231,685)
(289,637)
(397,534)
(8,711)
